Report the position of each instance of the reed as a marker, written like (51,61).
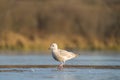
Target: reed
(74,24)
(15,41)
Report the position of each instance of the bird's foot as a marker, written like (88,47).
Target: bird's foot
(60,67)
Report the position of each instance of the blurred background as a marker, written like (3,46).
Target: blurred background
(88,27)
(32,25)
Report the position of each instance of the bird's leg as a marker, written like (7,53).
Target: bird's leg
(60,67)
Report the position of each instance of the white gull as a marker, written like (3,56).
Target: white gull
(61,55)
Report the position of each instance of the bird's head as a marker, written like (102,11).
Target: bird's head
(53,46)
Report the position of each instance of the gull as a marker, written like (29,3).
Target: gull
(61,55)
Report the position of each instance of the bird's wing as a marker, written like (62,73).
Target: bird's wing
(66,54)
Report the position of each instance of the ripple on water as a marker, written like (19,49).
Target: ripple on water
(54,74)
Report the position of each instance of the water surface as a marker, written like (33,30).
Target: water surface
(48,60)
(66,74)
(53,73)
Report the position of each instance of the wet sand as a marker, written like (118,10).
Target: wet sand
(65,66)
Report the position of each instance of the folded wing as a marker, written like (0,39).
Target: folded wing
(67,55)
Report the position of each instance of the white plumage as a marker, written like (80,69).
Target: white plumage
(61,55)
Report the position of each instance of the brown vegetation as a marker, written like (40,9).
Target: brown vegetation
(73,24)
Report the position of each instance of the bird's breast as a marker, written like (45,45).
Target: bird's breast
(57,57)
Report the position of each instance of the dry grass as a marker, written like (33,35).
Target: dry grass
(73,24)
(15,41)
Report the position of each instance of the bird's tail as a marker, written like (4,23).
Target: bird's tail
(77,55)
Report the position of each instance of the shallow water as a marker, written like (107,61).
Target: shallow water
(53,73)
(48,60)
(66,74)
